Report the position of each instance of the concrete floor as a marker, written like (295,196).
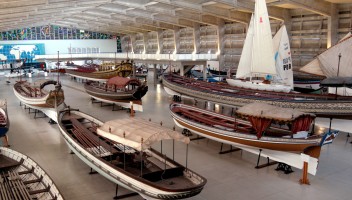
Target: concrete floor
(230,176)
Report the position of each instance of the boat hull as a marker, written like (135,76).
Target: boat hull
(136,94)
(117,176)
(137,104)
(281,149)
(123,71)
(323,106)
(46,183)
(258,85)
(52,99)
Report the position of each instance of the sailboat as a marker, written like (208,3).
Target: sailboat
(264,58)
(334,62)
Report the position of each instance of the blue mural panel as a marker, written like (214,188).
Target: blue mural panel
(12,52)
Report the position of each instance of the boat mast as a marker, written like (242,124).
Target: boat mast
(19,58)
(58,67)
(169,63)
(338,71)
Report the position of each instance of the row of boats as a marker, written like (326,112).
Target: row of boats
(120,149)
(276,124)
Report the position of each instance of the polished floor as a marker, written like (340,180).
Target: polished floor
(230,176)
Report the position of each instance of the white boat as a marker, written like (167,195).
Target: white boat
(264,57)
(23,178)
(34,94)
(114,150)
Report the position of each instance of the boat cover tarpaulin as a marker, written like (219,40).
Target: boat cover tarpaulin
(137,133)
(337,82)
(121,82)
(267,111)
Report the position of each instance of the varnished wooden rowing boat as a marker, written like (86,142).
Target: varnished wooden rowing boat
(118,90)
(22,178)
(283,135)
(321,105)
(120,151)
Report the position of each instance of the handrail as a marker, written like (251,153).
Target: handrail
(165,57)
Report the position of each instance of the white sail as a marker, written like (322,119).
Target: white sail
(313,67)
(244,66)
(330,59)
(283,60)
(263,57)
(326,63)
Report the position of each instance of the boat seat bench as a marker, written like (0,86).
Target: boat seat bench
(214,122)
(84,130)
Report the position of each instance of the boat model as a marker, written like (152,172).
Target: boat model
(279,133)
(4,122)
(124,69)
(265,61)
(33,94)
(322,105)
(118,90)
(23,178)
(120,151)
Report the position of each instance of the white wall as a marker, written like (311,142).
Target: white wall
(52,46)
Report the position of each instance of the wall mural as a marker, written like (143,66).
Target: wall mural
(51,32)
(12,52)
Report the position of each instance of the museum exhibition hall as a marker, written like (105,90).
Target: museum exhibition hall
(175,99)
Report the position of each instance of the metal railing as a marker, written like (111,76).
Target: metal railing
(166,57)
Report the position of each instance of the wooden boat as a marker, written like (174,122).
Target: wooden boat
(4,122)
(114,150)
(123,70)
(118,90)
(33,94)
(22,178)
(327,105)
(282,134)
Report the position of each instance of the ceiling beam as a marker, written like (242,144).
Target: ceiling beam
(315,6)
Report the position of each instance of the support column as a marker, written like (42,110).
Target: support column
(133,42)
(145,42)
(182,70)
(177,39)
(155,74)
(196,35)
(221,42)
(333,22)
(160,41)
